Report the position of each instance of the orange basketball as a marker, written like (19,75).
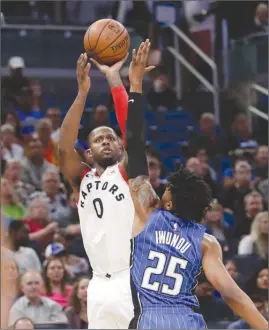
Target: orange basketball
(107,41)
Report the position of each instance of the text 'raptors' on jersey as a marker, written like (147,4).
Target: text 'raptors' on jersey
(106,215)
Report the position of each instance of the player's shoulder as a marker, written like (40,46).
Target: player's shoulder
(209,242)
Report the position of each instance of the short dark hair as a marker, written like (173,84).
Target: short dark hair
(96,128)
(190,193)
(256,298)
(15,226)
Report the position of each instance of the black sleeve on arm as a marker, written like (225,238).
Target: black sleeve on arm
(136,137)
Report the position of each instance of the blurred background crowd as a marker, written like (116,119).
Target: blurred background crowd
(212,121)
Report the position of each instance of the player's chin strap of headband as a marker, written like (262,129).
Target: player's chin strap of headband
(136,137)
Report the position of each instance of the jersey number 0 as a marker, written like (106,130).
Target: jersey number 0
(159,270)
(98,206)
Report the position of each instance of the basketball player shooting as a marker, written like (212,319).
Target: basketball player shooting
(170,247)
(105,206)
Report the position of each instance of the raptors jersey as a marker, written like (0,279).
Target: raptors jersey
(106,215)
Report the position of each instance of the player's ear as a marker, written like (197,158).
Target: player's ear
(88,154)
(168,205)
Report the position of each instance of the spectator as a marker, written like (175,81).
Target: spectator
(37,94)
(207,170)
(27,114)
(73,264)
(11,149)
(11,117)
(55,278)
(76,312)
(12,85)
(260,304)
(263,189)
(194,165)
(161,94)
(207,138)
(3,162)
(32,305)
(57,205)
(233,197)
(11,207)
(43,133)
(15,247)
(211,307)
(24,323)
(261,163)
(231,267)
(41,228)
(258,283)
(253,205)
(257,241)
(12,175)
(155,169)
(228,175)
(34,164)
(241,137)
(54,114)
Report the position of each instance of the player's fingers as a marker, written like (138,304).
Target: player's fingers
(79,59)
(139,52)
(124,59)
(134,55)
(146,50)
(95,62)
(87,68)
(84,59)
(149,68)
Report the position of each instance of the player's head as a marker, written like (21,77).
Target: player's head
(187,195)
(104,146)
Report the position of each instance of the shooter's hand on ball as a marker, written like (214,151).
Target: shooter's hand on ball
(110,70)
(83,68)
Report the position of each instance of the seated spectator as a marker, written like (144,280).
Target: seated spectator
(3,162)
(55,278)
(41,227)
(32,305)
(261,163)
(263,189)
(228,175)
(241,137)
(24,323)
(260,304)
(57,203)
(161,94)
(233,197)
(43,133)
(54,114)
(27,114)
(76,312)
(155,169)
(257,241)
(12,174)
(207,170)
(10,117)
(252,206)
(16,250)
(194,165)
(11,149)
(258,283)
(34,164)
(207,138)
(12,85)
(211,307)
(36,94)
(231,267)
(73,264)
(10,205)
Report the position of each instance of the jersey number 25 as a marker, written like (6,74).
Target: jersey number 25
(170,272)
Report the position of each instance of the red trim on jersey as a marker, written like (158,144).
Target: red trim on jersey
(120,99)
(123,174)
(84,173)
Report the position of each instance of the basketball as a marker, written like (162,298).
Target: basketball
(107,41)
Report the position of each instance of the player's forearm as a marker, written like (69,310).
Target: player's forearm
(71,123)
(242,305)
(114,79)
(120,99)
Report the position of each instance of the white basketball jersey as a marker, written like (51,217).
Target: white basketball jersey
(106,215)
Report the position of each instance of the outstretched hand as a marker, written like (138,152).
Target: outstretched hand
(108,70)
(83,69)
(138,66)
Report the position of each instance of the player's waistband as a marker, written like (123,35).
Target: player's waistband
(171,309)
(112,275)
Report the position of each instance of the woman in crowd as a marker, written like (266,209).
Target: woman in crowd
(55,279)
(77,310)
(10,205)
(11,117)
(257,242)
(258,283)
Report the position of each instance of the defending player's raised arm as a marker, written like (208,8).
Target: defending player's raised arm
(119,94)
(69,161)
(217,274)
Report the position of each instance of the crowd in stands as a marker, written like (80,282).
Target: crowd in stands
(45,267)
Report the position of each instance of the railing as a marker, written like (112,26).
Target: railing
(179,59)
(253,109)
